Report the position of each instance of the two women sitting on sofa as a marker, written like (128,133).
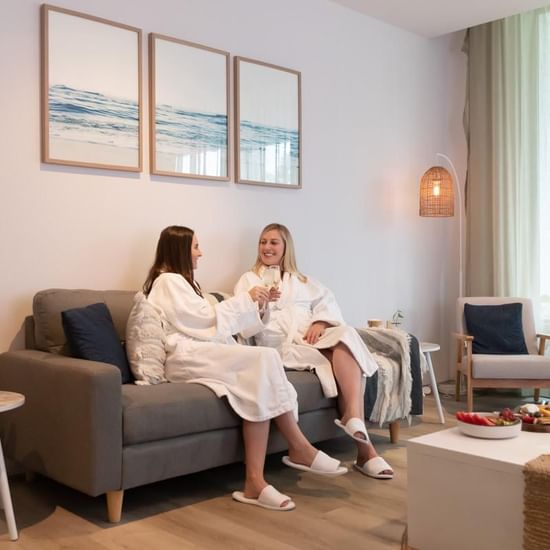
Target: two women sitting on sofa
(201,349)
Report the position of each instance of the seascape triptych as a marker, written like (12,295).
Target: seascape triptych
(93,111)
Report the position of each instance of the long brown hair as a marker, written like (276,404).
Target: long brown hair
(173,256)
(288,261)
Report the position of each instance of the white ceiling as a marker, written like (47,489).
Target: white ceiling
(432,18)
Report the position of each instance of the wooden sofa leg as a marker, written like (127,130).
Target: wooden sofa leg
(394,431)
(536,396)
(114,505)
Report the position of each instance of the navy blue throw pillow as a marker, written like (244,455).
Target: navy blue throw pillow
(91,335)
(497,330)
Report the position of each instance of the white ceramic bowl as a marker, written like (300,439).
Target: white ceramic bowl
(490,432)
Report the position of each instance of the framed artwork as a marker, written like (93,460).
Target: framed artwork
(268,124)
(91,91)
(189,99)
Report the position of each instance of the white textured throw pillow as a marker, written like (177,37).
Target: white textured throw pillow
(145,340)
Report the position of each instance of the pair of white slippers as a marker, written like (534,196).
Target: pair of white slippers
(324,465)
(375,467)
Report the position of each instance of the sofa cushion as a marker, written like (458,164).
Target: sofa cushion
(92,336)
(497,329)
(152,413)
(145,342)
(48,305)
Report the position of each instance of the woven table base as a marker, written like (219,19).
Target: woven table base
(536,503)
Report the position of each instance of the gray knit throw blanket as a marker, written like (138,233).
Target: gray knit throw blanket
(391,350)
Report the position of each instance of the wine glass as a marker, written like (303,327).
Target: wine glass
(275,276)
(271,277)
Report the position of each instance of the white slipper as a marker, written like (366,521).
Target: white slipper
(269,498)
(322,465)
(374,468)
(352,426)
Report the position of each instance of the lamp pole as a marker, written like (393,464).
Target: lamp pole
(460,211)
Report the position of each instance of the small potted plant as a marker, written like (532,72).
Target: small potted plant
(397,318)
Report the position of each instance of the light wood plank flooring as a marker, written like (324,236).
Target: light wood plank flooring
(196,511)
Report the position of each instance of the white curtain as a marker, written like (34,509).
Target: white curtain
(544,173)
(508,186)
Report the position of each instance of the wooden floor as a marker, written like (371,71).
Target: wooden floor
(196,511)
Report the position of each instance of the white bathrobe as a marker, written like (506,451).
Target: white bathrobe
(200,349)
(300,305)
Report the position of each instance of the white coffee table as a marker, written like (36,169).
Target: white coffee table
(465,492)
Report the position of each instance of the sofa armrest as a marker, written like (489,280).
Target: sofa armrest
(70,427)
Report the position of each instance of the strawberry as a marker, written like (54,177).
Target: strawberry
(480,420)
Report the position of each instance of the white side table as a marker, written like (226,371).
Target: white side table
(8,401)
(427,348)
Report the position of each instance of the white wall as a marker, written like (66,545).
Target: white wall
(377,104)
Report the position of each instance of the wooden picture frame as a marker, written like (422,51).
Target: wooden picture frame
(189,109)
(91,95)
(268,124)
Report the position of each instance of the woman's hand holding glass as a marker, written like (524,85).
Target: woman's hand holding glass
(259,294)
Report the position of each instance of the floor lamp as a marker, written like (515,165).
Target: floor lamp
(437,200)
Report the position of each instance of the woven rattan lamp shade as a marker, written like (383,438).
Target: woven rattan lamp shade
(437,198)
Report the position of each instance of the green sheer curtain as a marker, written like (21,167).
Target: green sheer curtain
(506,64)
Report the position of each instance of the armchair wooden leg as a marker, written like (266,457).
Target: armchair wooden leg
(470,394)
(457,389)
(114,505)
(536,396)
(394,431)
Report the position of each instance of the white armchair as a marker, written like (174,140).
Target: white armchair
(500,371)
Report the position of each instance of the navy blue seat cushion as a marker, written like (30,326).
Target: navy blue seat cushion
(91,335)
(497,329)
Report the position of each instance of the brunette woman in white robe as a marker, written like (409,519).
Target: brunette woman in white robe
(307,329)
(200,349)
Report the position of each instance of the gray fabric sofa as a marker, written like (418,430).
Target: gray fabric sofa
(81,427)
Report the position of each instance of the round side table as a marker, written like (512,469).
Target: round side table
(427,348)
(8,401)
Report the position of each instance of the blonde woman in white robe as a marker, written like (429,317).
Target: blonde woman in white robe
(307,329)
(200,349)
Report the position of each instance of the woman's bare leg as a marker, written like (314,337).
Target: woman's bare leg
(300,450)
(350,380)
(255,435)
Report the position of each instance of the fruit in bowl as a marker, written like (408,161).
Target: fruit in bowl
(489,425)
(486,419)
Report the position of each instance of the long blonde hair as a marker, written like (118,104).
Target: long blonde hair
(288,261)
